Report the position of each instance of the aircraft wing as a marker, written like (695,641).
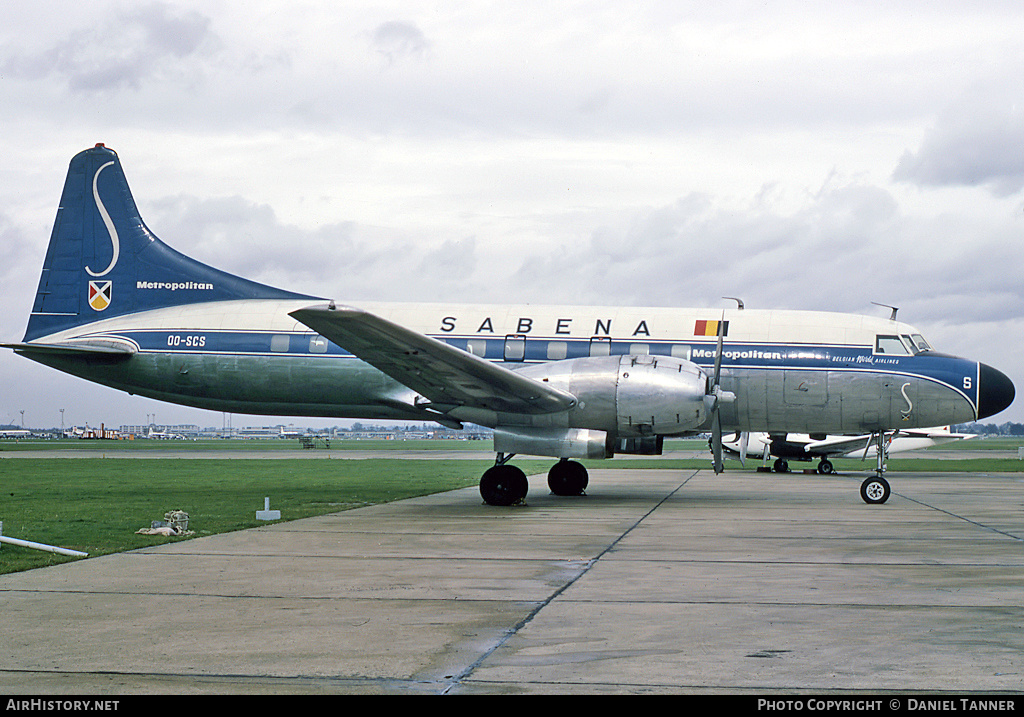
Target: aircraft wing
(446,376)
(835,445)
(940,435)
(902,440)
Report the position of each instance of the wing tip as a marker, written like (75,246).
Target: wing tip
(329,307)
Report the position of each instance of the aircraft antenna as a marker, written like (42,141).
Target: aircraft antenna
(892,317)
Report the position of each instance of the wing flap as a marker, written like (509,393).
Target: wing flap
(446,376)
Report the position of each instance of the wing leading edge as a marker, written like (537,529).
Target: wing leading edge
(446,376)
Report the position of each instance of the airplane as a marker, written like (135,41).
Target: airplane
(807,447)
(163,435)
(117,306)
(15,433)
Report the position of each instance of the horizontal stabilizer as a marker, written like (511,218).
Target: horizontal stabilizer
(105,347)
(446,376)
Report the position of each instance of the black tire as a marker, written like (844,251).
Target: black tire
(875,490)
(503,485)
(826,468)
(781,466)
(568,478)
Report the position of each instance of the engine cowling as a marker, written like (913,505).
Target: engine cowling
(629,396)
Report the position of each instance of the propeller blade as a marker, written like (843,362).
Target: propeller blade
(744,437)
(718,351)
(716,442)
(716,394)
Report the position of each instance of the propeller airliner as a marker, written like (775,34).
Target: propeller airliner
(117,306)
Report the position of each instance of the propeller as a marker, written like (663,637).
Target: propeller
(713,400)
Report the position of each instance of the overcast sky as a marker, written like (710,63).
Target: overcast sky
(799,155)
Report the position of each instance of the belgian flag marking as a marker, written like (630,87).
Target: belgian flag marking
(710,328)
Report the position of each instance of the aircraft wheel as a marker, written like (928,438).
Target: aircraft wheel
(503,485)
(781,466)
(875,490)
(568,478)
(826,467)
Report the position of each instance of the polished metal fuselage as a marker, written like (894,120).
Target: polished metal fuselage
(790,371)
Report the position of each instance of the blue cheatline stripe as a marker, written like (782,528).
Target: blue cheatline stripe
(938,368)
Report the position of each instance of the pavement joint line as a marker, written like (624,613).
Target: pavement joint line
(465,674)
(961,517)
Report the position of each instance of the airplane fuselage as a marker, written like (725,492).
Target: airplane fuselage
(791,371)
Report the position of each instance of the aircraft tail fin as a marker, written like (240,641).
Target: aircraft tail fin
(103,260)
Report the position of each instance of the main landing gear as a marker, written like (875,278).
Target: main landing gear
(825,466)
(568,478)
(505,484)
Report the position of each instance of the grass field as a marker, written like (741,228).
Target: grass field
(267,445)
(95,505)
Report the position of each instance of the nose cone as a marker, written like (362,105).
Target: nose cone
(995,391)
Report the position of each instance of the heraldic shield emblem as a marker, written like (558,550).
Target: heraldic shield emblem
(99,294)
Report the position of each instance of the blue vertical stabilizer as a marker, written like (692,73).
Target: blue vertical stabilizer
(103,261)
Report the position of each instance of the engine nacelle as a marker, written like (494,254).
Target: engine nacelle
(630,396)
(556,442)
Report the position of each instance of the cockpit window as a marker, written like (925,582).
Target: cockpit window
(891,345)
(920,344)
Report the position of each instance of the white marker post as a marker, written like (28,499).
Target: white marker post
(267,513)
(39,546)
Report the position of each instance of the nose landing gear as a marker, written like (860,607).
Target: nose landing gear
(875,490)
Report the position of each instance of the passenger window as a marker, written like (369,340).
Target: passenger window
(600,346)
(317,345)
(890,345)
(639,349)
(557,350)
(515,348)
(477,347)
(279,343)
(680,351)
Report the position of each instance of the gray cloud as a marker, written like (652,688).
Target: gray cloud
(978,141)
(395,40)
(122,51)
